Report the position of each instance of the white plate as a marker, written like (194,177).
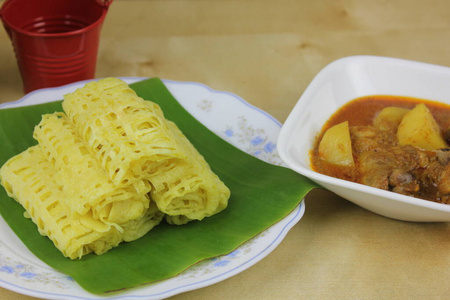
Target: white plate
(227,115)
(340,82)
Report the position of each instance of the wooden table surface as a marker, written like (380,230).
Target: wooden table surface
(267,52)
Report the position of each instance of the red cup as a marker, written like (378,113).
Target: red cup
(55,41)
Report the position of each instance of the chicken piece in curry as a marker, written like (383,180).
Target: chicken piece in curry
(397,144)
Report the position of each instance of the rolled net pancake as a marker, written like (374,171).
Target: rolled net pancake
(87,187)
(30,179)
(189,190)
(129,136)
(133,141)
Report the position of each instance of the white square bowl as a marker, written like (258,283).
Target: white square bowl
(340,82)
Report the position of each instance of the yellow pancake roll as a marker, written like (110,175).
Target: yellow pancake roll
(30,179)
(86,184)
(133,141)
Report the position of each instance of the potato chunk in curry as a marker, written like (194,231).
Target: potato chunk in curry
(336,146)
(389,118)
(419,128)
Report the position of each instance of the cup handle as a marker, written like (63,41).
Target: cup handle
(105,3)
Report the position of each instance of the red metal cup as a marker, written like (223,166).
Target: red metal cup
(55,41)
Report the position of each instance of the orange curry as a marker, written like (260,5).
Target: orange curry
(380,161)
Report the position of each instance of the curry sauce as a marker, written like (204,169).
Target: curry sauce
(379,159)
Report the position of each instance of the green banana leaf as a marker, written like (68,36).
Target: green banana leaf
(262,194)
